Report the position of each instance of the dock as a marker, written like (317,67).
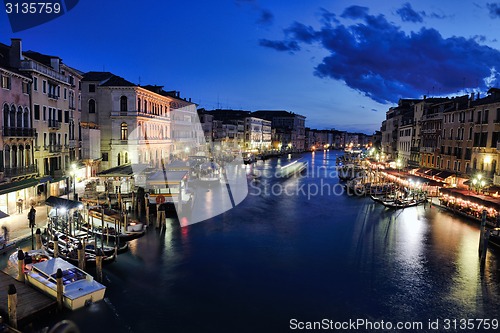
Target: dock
(31,303)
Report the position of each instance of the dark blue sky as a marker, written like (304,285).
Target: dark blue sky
(340,63)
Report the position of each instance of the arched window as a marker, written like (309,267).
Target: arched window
(126,157)
(26,121)
(145,106)
(12,122)
(123,103)
(5,115)
(19,116)
(119,159)
(124,131)
(91,106)
(14,156)
(138,105)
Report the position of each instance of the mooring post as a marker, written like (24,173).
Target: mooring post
(56,246)
(81,256)
(485,248)
(98,265)
(59,283)
(38,239)
(12,305)
(481,232)
(20,266)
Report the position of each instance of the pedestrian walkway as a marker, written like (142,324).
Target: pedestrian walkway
(18,225)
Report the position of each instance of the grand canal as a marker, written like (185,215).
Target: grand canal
(299,255)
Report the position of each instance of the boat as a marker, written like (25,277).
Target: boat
(30,257)
(109,232)
(69,242)
(398,203)
(290,169)
(79,288)
(71,255)
(210,173)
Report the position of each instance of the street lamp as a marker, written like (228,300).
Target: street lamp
(478,182)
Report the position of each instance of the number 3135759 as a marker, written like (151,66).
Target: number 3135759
(33,8)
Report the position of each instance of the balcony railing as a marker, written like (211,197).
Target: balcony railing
(18,132)
(54,124)
(32,65)
(55,148)
(20,171)
(53,96)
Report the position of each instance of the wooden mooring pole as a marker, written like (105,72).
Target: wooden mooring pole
(98,265)
(20,266)
(12,305)
(38,239)
(482,229)
(81,256)
(60,288)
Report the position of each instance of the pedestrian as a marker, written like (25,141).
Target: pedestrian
(5,233)
(20,205)
(31,217)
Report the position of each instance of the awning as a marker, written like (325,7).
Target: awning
(445,174)
(487,201)
(61,202)
(16,186)
(125,170)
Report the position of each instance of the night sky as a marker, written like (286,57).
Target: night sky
(342,64)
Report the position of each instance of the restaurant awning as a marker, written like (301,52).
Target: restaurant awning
(487,201)
(444,174)
(61,202)
(16,186)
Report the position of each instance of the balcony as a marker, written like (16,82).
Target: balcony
(55,148)
(54,124)
(415,149)
(18,132)
(53,96)
(32,65)
(20,171)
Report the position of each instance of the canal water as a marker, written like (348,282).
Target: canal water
(298,250)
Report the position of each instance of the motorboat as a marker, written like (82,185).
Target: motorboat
(290,169)
(79,288)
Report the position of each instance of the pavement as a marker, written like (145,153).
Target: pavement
(18,226)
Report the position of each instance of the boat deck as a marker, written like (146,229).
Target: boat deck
(31,303)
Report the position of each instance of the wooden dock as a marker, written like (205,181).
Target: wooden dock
(31,303)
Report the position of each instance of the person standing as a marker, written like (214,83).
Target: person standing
(20,205)
(31,217)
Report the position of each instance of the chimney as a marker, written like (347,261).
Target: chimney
(477,95)
(15,53)
(178,94)
(472,96)
(189,99)
(54,63)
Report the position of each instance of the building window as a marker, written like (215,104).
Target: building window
(5,82)
(92,88)
(65,93)
(91,106)
(26,88)
(124,131)
(44,86)
(35,83)
(123,103)
(105,157)
(44,113)
(66,117)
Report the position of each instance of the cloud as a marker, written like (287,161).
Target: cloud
(290,46)
(355,12)
(408,14)
(266,17)
(494,9)
(381,61)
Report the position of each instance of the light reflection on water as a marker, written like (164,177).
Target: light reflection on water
(253,268)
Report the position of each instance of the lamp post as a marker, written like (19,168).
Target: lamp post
(478,182)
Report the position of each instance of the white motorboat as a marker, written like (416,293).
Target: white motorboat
(79,288)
